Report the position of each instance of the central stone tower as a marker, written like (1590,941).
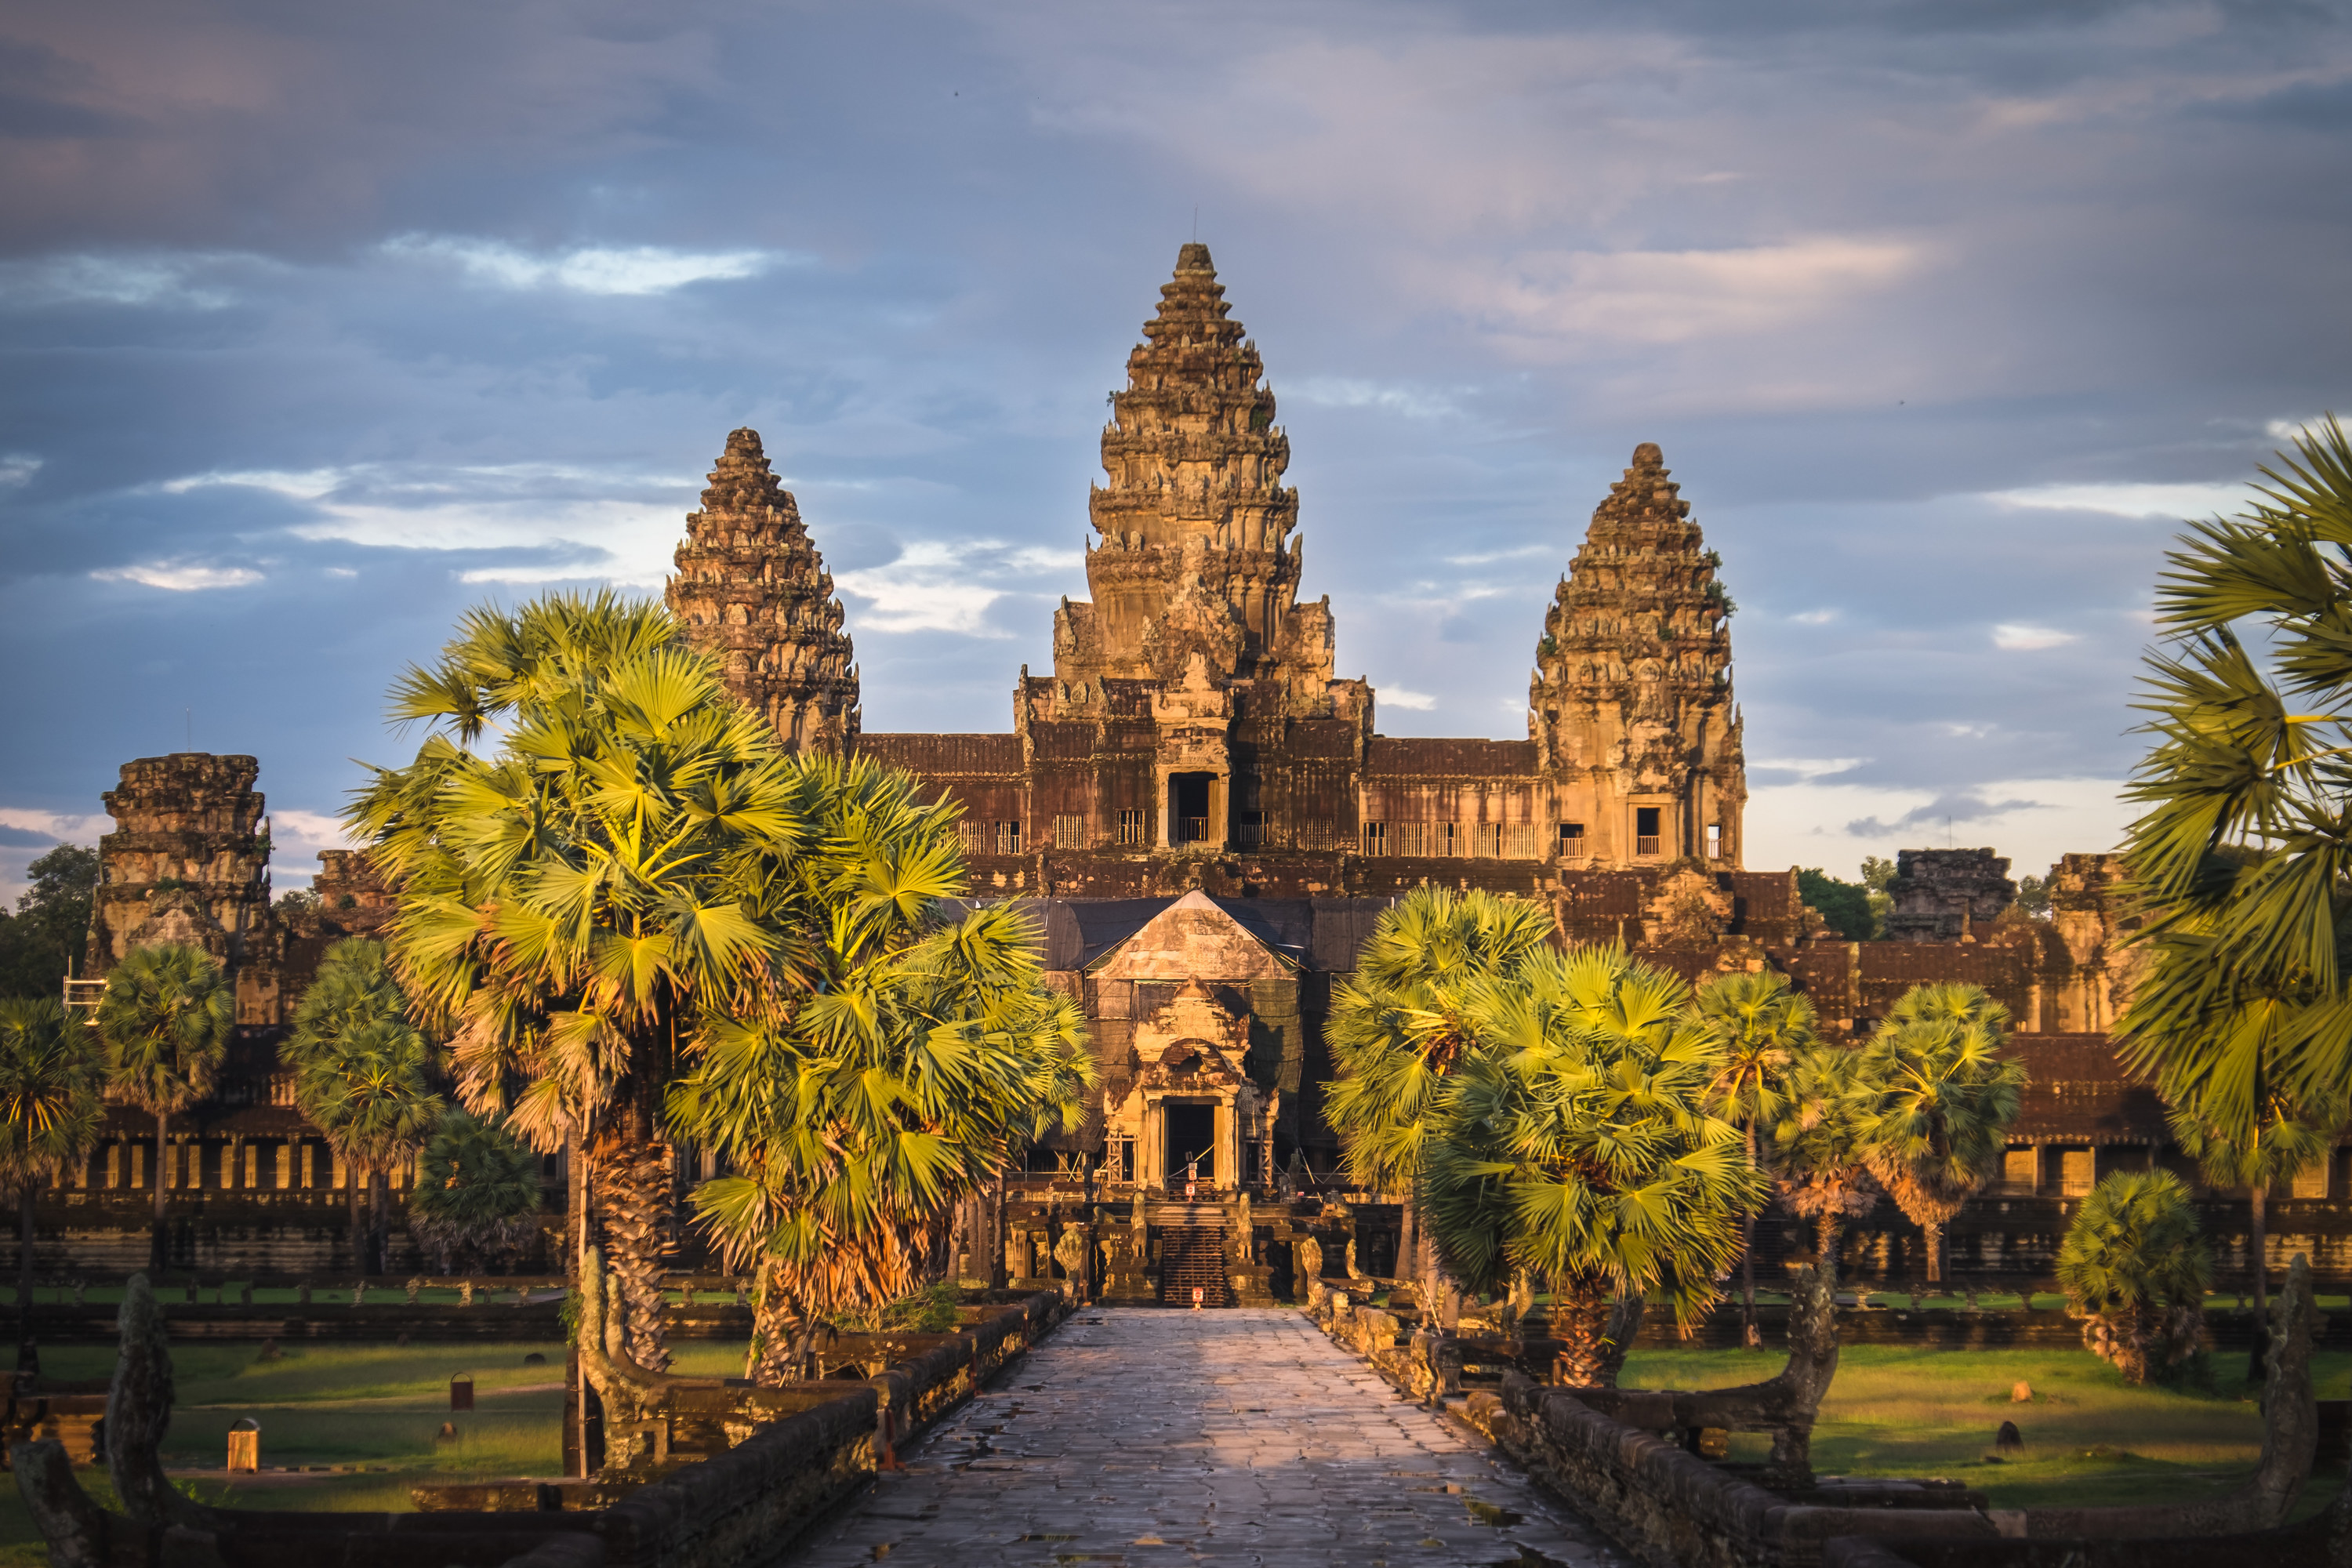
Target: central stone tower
(1195,561)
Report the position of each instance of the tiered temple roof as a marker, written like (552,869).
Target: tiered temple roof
(1196,556)
(753,590)
(1633,681)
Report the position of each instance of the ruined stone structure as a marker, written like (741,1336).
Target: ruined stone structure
(752,591)
(189,862)
(1946,895)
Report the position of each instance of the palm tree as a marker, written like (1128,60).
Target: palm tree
(1940,1098)
(577,902)
(2281,1139)
(2242,1018)
(164,1023)
(1762,1026)
(925,1054)
(2134,1264)
(1397,1026)
(367,1088)
(353,990)
(1575,1137)
(1820,1155)
(477,1192)
(50,1107)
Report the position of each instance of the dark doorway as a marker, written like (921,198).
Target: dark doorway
(1191,1141)
(1187,807)
(1646,829)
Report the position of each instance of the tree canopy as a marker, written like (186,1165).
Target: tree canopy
(2244,845)
(50,924)
(1846,905)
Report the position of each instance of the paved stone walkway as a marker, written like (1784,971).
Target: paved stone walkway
(1141,1437)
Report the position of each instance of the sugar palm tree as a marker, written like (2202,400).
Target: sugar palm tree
(50,1106)
(1397,1027)
(576,899)
(2242,853)
(164,1025)
(368,1090)
(1576,1138)
(2134,1264)
(477,1192)
(1939,1097)
(1821,1157)
(1762,1026)
(924,1055)
(353,990)
(2282,1138)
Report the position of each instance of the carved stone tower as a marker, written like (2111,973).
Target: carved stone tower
(1196,554)
(1194,621)
(1631,695)
(753,590)
(189,862)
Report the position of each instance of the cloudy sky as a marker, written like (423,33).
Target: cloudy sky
(318,323)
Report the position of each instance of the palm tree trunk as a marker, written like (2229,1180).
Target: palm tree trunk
(1747,1254)
(1580,1317)
(1935,1233)
(24,1272)
(997,1280)
(378,1220)
(633,1187)
(359,1223)
(2257,1364)
(1825,1238)
(157,1251)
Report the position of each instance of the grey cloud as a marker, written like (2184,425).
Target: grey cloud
(1964,806)
(2118,249)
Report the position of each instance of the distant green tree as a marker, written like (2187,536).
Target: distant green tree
(1821,1157)
(51,922)
(1846,905)
(2034,896)
(360,1075)
(1937,1099)
(295,904)
(164,1024)
(1878,875)
(50,1106)
(2134,1265)
(1763,1025)
(478,1193)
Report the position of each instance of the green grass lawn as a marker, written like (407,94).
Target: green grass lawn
(2090,1439)
(368,1412)
(175,1294)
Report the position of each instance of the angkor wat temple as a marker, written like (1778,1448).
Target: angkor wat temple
(1209,821)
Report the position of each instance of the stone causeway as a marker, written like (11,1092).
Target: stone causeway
(1141,1437)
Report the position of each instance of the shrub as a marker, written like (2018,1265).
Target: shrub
(2134,1269)
(478,1195)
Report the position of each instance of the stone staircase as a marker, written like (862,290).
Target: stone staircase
(1192,1252)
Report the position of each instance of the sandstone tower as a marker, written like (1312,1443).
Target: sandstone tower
(753,590)
(1630,706)
(1195,558)
(189,862)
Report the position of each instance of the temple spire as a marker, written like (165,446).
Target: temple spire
(1633,682)
(752,589)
